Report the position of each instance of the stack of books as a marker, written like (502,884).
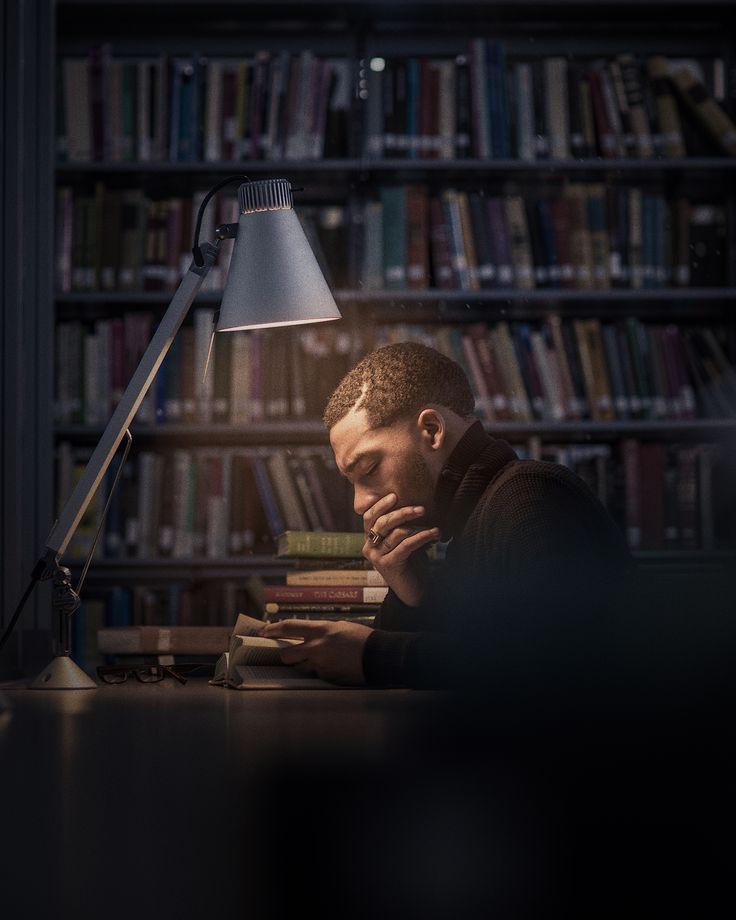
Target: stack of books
(331,579)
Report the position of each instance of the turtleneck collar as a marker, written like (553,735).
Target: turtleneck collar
(472,464)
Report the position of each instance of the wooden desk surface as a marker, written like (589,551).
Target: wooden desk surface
(186,801)
(147,794)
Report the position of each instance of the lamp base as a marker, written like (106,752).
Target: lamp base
(62,674)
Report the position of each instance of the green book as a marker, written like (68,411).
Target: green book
(322,543)
(394,236)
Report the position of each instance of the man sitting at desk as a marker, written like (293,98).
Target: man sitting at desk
(532,556)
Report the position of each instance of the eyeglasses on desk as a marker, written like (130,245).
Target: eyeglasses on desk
(145,673)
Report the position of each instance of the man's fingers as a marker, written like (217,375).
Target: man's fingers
(382,505)
(411,543)
(386,522)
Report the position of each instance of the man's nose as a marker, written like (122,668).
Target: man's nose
(362,500)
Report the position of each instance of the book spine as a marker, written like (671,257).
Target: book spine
(271,608)
(268,498)
(324,544)
(668,138)
(339,577)
(711,116)
(339,594)
(632,507)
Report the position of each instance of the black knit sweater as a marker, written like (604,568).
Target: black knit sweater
(530,550)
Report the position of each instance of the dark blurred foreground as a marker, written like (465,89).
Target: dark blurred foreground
(586,766)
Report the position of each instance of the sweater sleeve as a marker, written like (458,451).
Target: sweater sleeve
(418,660)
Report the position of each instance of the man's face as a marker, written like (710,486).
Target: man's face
(382,460)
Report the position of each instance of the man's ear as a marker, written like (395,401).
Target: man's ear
(432,428)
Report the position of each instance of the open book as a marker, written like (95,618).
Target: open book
(252,662)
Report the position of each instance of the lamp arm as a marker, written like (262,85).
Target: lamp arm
(77,503)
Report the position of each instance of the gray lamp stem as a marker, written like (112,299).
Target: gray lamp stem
(62,673)
(66,526)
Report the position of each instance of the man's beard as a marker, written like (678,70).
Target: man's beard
(417,488)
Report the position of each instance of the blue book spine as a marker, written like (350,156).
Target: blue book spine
(647,238)
(268,498)
(174,107)
(186,132)
(119,608)
(504,134)
(544,213)
(412,106)
(492,97)
(497,100)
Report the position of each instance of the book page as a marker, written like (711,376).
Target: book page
(257,650)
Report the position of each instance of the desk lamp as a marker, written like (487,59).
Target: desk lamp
(274,280)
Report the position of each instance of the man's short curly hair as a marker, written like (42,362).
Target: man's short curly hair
(396,381)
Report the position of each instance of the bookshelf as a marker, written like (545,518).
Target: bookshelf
(353,168)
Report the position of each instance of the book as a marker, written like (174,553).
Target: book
(320,543)
(556,109)
(286,491)
(519,241)
(668,138)
(284,610)
(638,119)
(324,594)
(252,662)
(709,114)
(393,201)
(336,576)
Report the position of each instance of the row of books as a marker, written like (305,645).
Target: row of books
(548,370)
(229,503)
(210,503)
(121,240)
(263,374)
(298,105)
(196,108)
(489,105)
(662,495)
(185,621)
(587,236)
(588,369)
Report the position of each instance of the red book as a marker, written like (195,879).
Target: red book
(561,232)
(603,127)
(333,594)
(442,273)
(687,496)
(491,371)
(632,491)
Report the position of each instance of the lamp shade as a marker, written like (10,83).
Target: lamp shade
(274,278)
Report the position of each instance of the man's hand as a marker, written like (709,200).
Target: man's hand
(331,650)
(391,547)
